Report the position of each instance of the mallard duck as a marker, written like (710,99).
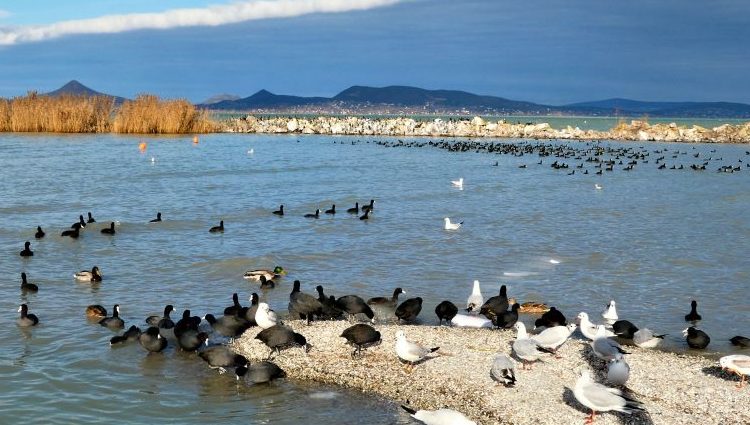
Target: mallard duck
(530,307)
(89,276)
(255,275)
(96,311)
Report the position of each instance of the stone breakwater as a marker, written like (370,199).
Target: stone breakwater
(478,127)
(676,389)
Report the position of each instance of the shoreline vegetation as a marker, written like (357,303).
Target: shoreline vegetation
(674,388)
(146,114)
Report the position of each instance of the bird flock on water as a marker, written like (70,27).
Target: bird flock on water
(551,330)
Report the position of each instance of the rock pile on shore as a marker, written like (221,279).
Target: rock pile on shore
(478,127)
(675,389)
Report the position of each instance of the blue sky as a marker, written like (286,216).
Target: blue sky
(549,51)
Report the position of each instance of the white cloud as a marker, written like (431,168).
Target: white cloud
(240,11)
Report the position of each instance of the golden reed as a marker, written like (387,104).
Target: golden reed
(146,114)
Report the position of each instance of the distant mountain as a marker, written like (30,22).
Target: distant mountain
(414,100)
(75,88)
(266,100)
(630,107)
(219,98)
(359,97)
(435,99)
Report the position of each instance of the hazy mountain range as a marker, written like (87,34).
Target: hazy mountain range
(413,100)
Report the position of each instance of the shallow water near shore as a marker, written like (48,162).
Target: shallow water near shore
(651,239)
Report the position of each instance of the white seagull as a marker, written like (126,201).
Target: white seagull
(475,299)
(458,183)
(265,317)
(610,313)
(618,370)
(411,352)
(589,329)
(600,398)
(525,348)
(605,348)
(452,226)
(737,363)
(503,370)
(645,338)
(471,321)
(597,186)
(439,417)
(552,338)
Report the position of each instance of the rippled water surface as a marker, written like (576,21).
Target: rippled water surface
(651,239)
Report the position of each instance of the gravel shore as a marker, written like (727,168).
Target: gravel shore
(675,388)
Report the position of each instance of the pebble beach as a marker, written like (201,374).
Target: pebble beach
(675,388)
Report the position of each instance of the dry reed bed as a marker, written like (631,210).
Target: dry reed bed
(675,388)
(147,114)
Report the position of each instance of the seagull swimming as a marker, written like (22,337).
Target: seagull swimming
(645,338)
(458,183)
(475,300)
(452,226)
(600,398)
(597,186)
(610,313)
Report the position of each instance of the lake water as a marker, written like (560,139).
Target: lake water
(651,239)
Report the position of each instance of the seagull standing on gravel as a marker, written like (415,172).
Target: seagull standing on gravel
(525,348)
(552,338)
(452,226)
(475,300)
(618,370)
(411,352)
(600,398)
(589,329)
(265,317)
(504,370)
(610,313)
(439,417)
(605,348)
(458,183)
(737,363)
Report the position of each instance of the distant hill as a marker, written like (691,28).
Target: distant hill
(74,87)
(219,98)
(435,99)
(357,97)
(619,106)
(266,100)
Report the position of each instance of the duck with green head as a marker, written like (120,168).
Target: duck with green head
(255,275)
